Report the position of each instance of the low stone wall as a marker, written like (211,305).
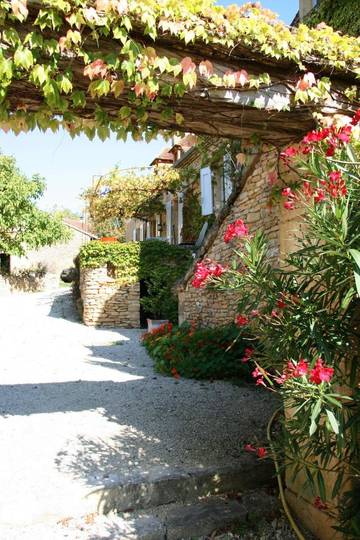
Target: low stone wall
(105,302)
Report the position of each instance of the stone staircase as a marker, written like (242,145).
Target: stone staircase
(186,504)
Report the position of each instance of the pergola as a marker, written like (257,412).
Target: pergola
(224,109)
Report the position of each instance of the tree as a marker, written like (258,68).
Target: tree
(22,225)
(122,195)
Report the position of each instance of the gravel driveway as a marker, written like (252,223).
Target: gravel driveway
(80,406)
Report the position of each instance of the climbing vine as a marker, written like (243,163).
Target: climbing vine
(98,66)
(133,193)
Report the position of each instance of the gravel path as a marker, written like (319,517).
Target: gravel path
(81,406)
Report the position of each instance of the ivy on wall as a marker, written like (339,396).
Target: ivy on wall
(341,15)
(157,263)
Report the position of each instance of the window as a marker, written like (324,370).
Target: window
(207,205)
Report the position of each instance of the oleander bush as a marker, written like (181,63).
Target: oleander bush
(200,353)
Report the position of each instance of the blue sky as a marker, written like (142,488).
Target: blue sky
(68,165)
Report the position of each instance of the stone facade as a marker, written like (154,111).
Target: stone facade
(212,308)
(105,302)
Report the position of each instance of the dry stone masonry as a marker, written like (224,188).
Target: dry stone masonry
(106,302)
(212,308)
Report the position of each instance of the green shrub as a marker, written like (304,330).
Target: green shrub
(199,353)
(157,263)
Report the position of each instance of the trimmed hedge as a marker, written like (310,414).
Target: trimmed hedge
(200,353)
(156,262)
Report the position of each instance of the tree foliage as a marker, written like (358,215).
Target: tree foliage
(22,225)
(133,193)
(339,14)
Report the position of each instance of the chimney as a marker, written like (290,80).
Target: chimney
(304,7)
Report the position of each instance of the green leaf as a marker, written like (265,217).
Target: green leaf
(356,256)
(39,74)
(23,58)
(315,413)
(338,483)
(333,422)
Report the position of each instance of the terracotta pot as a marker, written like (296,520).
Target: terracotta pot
(155,323)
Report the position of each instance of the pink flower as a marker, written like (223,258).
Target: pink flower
(274,313)
(241,320)
(254,312)
(260,381)
(249,351)
(204,271)
(237,229)
(307,189)
(288,192)
(261,452)
(289,205)
(319,195)
(316,136)
(321,373)
(289,152)
(336,187)
(330,150)
(249,448)
(298,370)
(344,134)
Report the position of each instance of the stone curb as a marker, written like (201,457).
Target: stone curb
(168,486)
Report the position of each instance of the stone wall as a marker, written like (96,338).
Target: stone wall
(105,302)
(210,308)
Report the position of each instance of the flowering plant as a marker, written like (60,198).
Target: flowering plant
(306,313)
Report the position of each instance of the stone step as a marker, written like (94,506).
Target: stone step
(191,521)
(164,486)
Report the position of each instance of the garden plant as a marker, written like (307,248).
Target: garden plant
(306,316)
(200,353)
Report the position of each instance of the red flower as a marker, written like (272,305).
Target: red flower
(237,229)
(288,192)
(319,504)
(344,134)
(297,370)
(289,152)
(281,303)
(330,150)
(336,186)
(319,195)
(316,136)
(289,205)
(261,452)
(321,373)
(205,270)
(307,189)
(356,118)
(249,351)
(249,448)
(175,373)
(241,320)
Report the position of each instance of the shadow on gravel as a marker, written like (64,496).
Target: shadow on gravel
(62,306)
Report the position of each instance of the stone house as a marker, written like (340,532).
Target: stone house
(40,269)
(188,214)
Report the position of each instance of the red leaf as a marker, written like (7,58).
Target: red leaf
(187,65)
(96,70)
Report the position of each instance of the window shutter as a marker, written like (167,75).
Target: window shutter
(206,191)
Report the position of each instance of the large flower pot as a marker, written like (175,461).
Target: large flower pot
(155,323)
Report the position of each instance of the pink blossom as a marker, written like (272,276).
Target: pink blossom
(319,195)
(205,270)
(319,504)
(321,373)
(237,229)
(249,448)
